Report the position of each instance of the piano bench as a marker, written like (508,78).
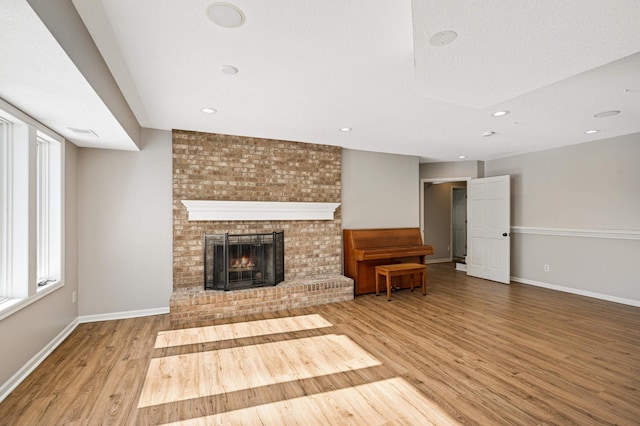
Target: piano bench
(390,271)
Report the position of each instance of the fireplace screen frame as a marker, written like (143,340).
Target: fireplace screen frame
(242,261)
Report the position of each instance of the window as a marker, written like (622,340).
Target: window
(47,210)
(42,207)
(5,183)
(31,200)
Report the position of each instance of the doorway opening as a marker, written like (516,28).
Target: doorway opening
(443,215)
(459,223)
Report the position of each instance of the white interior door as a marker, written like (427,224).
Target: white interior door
(488,228)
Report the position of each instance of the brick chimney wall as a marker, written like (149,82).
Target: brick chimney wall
(210,166)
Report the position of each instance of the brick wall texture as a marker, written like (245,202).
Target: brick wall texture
(210,166)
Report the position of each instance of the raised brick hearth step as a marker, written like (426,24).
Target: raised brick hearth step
(194,304)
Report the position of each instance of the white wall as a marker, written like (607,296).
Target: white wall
(593,186)
(28,333)
(379,190)
(452,169)
(125,227)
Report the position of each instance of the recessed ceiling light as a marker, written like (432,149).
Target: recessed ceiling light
(228,70)
(208,110)
(590,132)
(606,114)
(500,113)
(345,129)
(462,157)
(487,134)
(443,38)
(225,14)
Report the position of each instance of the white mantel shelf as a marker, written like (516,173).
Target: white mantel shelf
(258,210)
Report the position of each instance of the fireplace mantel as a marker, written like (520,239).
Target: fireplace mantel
(258,210)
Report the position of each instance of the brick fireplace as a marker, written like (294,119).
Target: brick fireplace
(232,168)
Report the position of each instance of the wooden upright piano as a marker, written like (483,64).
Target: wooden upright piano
(366,248)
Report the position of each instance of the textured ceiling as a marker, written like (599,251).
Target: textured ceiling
(308,68)
(508,49)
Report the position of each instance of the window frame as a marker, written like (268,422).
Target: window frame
(48,211)
(19,239)
(5,216)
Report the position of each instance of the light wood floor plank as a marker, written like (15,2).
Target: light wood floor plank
(180,377)
(476,351)
(391,401)
(217,333)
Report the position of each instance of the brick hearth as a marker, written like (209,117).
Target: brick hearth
(190,305)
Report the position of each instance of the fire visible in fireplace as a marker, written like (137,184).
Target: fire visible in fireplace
(242,263)
(233,262)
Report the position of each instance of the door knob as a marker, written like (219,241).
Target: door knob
(504,234)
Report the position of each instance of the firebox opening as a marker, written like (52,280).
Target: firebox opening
(234,261)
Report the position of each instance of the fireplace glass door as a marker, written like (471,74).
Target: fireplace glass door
(234,261)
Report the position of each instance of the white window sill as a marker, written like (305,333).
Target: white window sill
(11,306)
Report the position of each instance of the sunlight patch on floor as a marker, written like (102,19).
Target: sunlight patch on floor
(217,333)
(195,375)
(391,401)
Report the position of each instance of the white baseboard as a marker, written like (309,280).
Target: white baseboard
(564,289)
(428,261)
(7,387)
(461,267)
(122,315)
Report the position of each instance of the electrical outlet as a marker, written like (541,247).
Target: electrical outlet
(74,297)
(546,268)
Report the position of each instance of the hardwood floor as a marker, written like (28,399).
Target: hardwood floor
(470,352)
